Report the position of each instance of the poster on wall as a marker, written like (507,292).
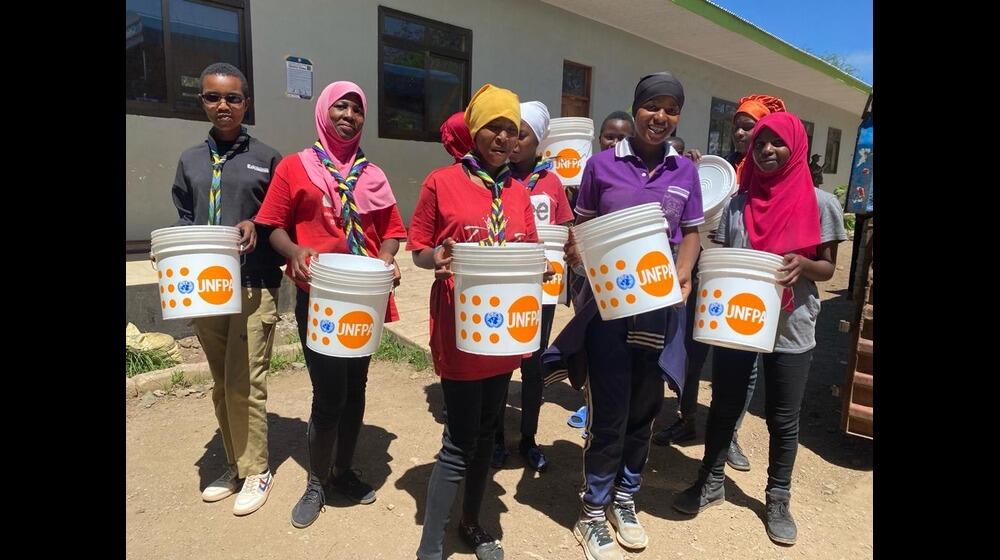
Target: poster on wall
(860,188)
(298,77)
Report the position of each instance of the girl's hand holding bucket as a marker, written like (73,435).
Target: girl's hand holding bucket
(390,260)
(549,272)
(300,263)
(248,236)
(442,259)
(794,266)
(573,258)
(684,278)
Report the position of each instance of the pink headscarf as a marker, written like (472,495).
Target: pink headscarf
(780,213)
(372,191)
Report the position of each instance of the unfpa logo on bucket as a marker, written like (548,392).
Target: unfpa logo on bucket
(654,274)
(354,329)
(745,313)
(566,162)
(215,285)
(554,287)
(523,319)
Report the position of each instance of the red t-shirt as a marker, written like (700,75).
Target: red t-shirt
(549,200)
(451,205)
(295,204)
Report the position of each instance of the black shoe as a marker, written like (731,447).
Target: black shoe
(778,520)
(533,456)
(485,546)
(735,458)
(309,505)
(500,455)
(705,493)
(679,432)
(348,484)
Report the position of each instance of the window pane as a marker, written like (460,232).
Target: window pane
(444,89)
(403,29)
(145,63)
(723,108)
(575,80)
(809,133)
(403,84)
(832,151)
(446,39)
(720,127)
(199,36)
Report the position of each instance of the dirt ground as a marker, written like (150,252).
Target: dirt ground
(174,450)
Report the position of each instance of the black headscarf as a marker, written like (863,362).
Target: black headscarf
(654,85)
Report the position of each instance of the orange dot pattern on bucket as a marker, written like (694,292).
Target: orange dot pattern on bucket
(351,330)
(214,285)
(618,283)
(519,320)
(744,313)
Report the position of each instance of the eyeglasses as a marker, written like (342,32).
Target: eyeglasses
(213,98)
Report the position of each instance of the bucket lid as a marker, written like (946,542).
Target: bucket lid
(718,181)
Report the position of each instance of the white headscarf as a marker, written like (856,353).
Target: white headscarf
(536,114)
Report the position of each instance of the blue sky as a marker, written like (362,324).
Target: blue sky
(843,27)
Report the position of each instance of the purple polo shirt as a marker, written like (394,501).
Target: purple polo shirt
(616,179)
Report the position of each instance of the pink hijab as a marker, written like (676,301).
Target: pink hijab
(372,191)
(780,213)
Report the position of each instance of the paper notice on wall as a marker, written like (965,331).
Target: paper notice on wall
(299,77)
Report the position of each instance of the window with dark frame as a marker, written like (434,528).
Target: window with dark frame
(809,134)
(575,90)
(720,127)
(832,150)
(167,45)
(425,73)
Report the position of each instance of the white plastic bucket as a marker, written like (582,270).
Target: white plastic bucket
(630,266)
(348,295)
(498,309)
(198,268)
(739,300)
(554,238)
(569,144)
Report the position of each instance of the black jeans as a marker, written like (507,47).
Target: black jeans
(338,404)
(697,354)
(472,412)
(531,383)
(785,383)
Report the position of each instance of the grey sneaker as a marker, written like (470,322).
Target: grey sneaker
(629,532)
(223,487)
(596,540)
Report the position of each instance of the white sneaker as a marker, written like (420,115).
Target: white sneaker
(254,493)
(630,533)
(223,487)
(596,540)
